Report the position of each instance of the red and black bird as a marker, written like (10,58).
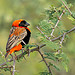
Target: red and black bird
(18,37)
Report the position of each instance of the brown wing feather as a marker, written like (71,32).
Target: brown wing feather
(16,36)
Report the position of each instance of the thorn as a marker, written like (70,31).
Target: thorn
(24,57)
(41,61)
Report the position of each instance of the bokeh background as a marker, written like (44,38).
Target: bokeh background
(31,11)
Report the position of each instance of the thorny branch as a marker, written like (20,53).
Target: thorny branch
(57,22)
(48,66)
(67,9)
(24,53)
(43,33)
(63,35)
(18,57)
(57,38)
(6,67)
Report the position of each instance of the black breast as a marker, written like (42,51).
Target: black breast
(26,39)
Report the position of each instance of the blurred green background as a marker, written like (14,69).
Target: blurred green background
(31,11)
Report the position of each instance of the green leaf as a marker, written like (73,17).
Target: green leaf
(52,45)
(6,69)
(45,25)
(65,66)
(54,66)
(49,54)
(44,73)
(63,1)
(51,58)
(29,46)
(71,18)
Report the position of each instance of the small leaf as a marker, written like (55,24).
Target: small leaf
(71,18)
(29,46)
(65,66)
(54,66)
(51,58)
(49,54)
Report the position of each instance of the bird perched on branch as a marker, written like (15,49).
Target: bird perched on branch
(18,37)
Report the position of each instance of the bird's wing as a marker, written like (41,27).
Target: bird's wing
(16,36)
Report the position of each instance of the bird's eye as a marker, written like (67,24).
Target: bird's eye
(23,21)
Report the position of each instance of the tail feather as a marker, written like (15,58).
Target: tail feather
(16,48)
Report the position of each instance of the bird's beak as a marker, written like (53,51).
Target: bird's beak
(27,24)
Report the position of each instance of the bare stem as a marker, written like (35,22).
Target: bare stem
(48,66)
(13,72)
(57,22)
(62,39)
(43,33)
(66,7)
(57,38)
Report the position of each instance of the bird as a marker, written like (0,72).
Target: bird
(19,36)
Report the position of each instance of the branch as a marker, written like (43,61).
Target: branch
(13,72)
(57,38)
(43,33)
(24,53)
(66,7)
(48,66)
(57,22)
(62,40)
(6,67)
(10,67)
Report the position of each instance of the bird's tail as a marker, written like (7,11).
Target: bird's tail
(16,48)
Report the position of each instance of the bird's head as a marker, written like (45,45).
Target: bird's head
(20,23)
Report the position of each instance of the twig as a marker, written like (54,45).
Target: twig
(62,40)
(24,53)
(10,67)
(66,7)
(43,33)
(57,22)
(6,67)
(48,66)
(57,38)
(13,72)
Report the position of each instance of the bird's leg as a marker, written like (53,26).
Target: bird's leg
(23,42)
(23,48)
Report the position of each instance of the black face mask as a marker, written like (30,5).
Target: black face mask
(23,23)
